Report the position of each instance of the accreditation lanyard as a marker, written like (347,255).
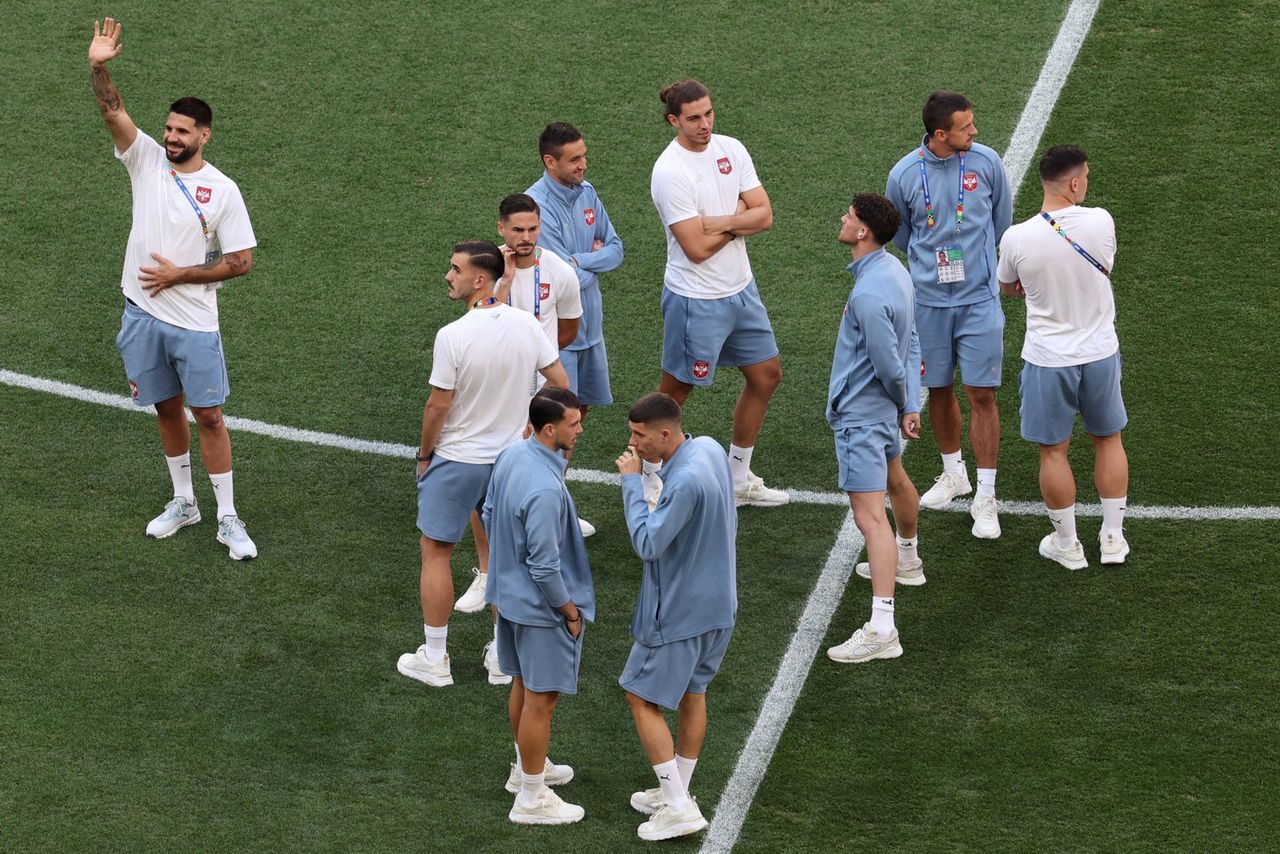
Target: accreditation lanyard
(928,201)
(537,284)
(204,224)
(1076,246)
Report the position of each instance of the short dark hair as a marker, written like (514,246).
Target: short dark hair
(879,214)
(1060,161)
(656,407)
(550,405)
(682,92)
(484,254)
(518,203)
(940,107)
(194,108)
(555,137)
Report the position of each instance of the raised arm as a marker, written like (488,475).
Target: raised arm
(104,48)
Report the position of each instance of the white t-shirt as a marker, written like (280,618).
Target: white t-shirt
(165,222)
(1071,310)
(486,358)
(687,184)
(560,298)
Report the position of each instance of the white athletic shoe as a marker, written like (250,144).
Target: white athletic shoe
(947,486)
(986,524)
(178,513)
(754,493)
(549,809)
(1114,547)
(552,775)
(866,644)
(1071,558)
(652,489)
(668,823)
(496,676)
(586,528)
(473,599)
(415,666)
(910,573)
(231,533)
(649,801)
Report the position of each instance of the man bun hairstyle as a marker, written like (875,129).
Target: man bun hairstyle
(656,408)
(483,254)
(549,406)
(1060,161)
(518,203)
(940,107)
(555,137)
(194,108)
(878,214)
(682,92)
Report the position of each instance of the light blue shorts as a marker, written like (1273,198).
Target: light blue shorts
(971,336)
(699,334)
(163,361)
(664,674)
(863,454)
(546,658)
(588,372)
(447,493)
(1051,397)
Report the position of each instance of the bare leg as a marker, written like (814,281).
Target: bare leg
(515,704)
(215,441)
(692,728)
(944,415)
(482,542)
(904,499)
(984,426)
(1057,484)
(534,734)
(882,551)
(175,433)
(1110,466)
(674,387)
(762,380)
(436,583)
(655,737)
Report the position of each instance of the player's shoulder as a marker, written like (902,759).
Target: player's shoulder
(728,143)
(554,262)
(987,156)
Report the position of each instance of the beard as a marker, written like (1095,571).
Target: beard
(184,155)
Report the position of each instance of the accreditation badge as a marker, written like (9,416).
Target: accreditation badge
(950,260)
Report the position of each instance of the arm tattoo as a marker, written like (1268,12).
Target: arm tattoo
(211,265)
(103,89)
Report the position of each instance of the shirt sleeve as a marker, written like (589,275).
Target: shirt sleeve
(673,196)
(548,354)
(1001,201)
(568,291)
(1007,268)
(882,346)
(746,169)
(444,368)
(233,228)
(145,153)
(542,513)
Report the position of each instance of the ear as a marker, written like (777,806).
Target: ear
(548,161)
(674,121)
(206,134)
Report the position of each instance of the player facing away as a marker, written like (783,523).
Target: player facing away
(874,395)
(954,200)
(1060,261)
(190,233)
(541,585)
(481,366)
(710,200)
(687,605)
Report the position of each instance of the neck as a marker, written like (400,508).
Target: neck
(195,164)
(939,148)
(863,248)
(1055,201)
(526,261)
(481,300)
(690,145)
(676,442)
(547,442)
(556,179)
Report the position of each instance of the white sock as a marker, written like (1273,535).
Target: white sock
(673,790)
(686,769)
(1064,524)
(986,483)
(436,637)
(647,467)
(530,786)
(225,493)
(907,548)
(1113,515)
(740,462)
(180,473)
(882,615)
(953,462)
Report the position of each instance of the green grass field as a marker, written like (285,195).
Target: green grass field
(158,696)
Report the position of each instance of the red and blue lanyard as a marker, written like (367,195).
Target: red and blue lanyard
(928,201)
(537,284)
(204,224)
(1076,246)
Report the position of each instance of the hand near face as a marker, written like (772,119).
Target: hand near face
(628,462)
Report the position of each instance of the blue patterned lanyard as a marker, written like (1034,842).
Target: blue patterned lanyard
(928,202)
(204,225)
(537,284)
(1076,246)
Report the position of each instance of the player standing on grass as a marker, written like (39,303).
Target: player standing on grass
(543,592)
(190,233)
(709,198)
(874,394)
(953,196)
(1060,261)
(481,365)
(687,604)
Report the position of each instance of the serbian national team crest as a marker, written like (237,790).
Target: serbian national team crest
(970,182)
(133,389)
(544,290)
(701,369)
(204,194)
(589,214)
(725,166)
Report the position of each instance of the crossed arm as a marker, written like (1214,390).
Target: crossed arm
(703,236)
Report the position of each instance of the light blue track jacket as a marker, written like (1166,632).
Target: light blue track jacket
(688,544)
(875,374)
(572,219)
(988,211)
(537,560)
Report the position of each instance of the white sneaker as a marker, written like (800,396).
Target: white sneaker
(986,524)
(586,528)
(496,676)
(178,513)
(910,573)
(866,644)
(1072,558)
(947,486)
(549,809)
(652,489)
(1114,548)
(668,823)
(552,775)
(415,666)
(473,599)
(649,801)
(231,533)
(754,493)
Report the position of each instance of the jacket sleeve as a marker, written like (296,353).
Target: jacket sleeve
(893,192)
(653,531)
(607,257)
(882,347)
(542,513)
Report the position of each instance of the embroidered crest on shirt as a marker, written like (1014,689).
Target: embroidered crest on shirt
(203,195)
(701,369)
(589,214)
(971,182)
(725,166)
(544,289)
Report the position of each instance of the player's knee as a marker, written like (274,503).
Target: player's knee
(639,705)
(210,419)
(981,399)
(765,378)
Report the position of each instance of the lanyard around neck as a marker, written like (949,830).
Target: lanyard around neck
(537,284)
(928,201)
(1076,246)
(204,224)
